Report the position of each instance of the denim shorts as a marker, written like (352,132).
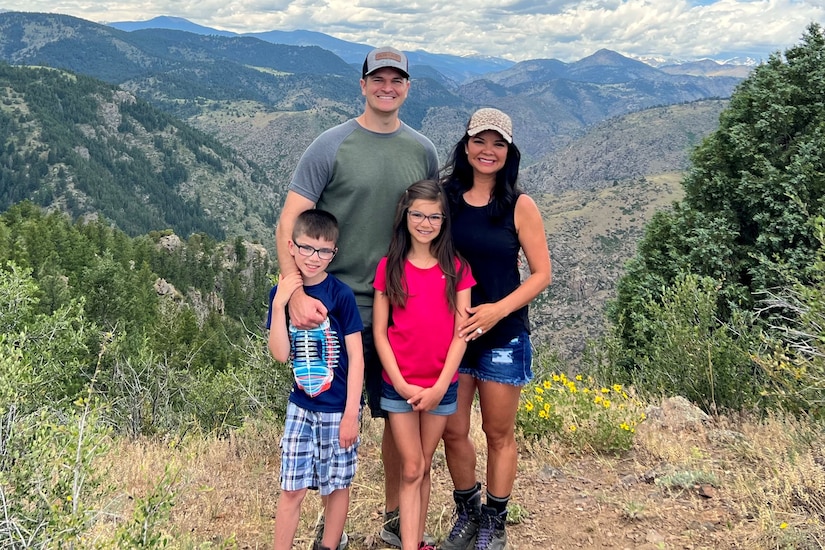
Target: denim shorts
(311,456)
(391,401)
(511,364)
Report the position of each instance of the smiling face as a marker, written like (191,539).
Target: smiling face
(424,220)
(486,152)
(385,90)
(307,253)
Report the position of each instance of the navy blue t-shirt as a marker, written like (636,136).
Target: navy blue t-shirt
(318,357)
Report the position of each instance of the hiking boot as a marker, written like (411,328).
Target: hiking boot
(491,533)
(391,530)
(319,538)
(424,545)
(467,512)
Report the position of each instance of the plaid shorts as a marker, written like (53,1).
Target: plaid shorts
(311,457)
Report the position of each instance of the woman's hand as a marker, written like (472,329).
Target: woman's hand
(482,318)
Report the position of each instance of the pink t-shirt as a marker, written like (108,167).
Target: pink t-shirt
(420,333)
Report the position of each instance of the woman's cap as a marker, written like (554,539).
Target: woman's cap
(386,57)
(491,119)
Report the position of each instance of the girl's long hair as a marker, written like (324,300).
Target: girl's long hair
(441,247)
(457,178)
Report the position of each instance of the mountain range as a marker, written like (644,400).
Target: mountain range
(197,130)
(268,95)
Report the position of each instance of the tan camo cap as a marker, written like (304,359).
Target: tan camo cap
(491,119)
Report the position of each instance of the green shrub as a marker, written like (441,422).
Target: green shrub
(794,359)
(686,350)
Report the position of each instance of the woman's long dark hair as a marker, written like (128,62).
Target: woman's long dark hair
(441,247)
(457,178)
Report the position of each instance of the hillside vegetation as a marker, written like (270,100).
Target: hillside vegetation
(81,146)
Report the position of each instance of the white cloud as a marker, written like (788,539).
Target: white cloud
(514,29)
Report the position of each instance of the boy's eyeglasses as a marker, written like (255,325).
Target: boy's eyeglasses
(418,217)
(323,253)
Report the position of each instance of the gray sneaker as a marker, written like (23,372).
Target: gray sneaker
(391,530)
(491,533)
(319,537)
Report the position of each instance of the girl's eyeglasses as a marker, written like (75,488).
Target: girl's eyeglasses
(418,217)
(323,253)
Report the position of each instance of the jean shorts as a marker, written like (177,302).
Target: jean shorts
(511,364)
(392,401)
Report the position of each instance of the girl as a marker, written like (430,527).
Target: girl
(423,288)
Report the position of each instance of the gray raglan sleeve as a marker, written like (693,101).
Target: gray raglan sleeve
(314,170)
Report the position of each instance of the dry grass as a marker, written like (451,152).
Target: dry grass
(725,484)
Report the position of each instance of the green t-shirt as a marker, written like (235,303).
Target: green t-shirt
(359,176)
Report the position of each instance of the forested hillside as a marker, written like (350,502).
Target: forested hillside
(177,316)
(79,145)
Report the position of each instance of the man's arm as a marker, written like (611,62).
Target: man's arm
(304,312)
(278,340)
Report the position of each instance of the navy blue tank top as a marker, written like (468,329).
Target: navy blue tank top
(491,247)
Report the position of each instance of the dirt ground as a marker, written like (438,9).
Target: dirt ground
(560,500)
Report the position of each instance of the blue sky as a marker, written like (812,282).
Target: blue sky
(513,29)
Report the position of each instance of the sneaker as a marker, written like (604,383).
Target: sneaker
(491,533)
(319,537)
(391,530)
(424,545)
(467,512)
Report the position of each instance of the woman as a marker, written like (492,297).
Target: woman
(492,221)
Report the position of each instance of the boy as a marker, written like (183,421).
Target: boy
(320,442)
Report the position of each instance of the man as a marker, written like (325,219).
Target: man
(358,171)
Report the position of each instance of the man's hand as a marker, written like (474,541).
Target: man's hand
(306,312)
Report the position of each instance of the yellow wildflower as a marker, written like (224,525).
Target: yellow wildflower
(542,414)
(579,377)
(617,388)
(556,378)
(539,390)
(572,427)
(783,525)
(606,403)
(605,390)
(547,384)
(528,406)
